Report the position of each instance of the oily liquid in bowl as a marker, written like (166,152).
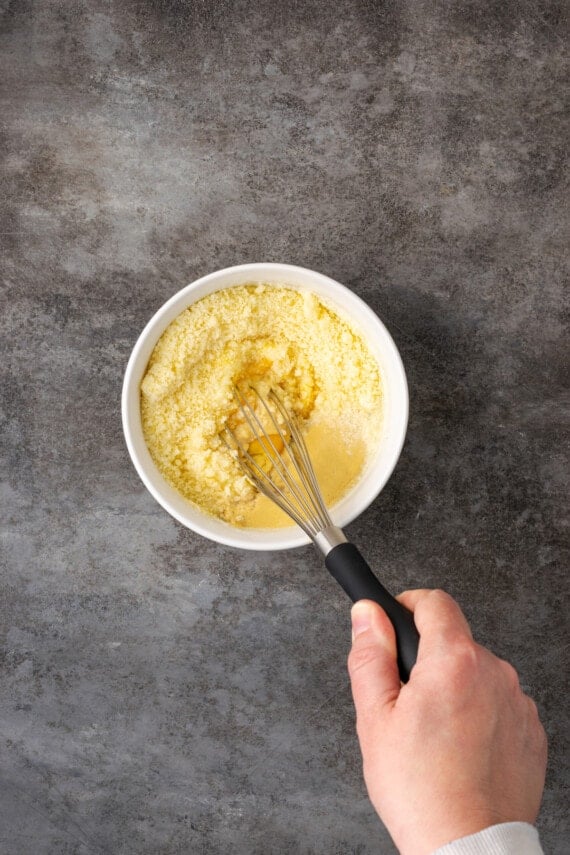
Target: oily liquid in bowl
(337,467)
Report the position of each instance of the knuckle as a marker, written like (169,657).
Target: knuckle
(361,656)
(539,730)
(509,674)
(536,735)
(466,654)
(440,594)
(442,602)
(462,661)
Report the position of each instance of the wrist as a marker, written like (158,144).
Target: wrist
(443,827)
(502,839)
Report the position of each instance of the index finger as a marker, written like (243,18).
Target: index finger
(438,618)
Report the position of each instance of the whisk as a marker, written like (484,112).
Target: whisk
(273,455)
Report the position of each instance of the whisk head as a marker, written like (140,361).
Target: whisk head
(274,456)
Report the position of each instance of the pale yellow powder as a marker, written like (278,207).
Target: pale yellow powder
(272,337)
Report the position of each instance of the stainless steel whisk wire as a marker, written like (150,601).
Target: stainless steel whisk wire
(305,506)
(292,484)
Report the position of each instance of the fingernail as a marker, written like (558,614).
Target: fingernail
(361,615)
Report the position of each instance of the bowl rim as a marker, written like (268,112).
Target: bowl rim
(186,512)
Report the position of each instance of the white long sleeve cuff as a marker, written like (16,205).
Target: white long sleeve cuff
(508,838)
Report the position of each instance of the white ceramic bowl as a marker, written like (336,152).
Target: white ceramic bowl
(395,403)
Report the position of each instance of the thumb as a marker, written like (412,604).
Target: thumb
(372,663)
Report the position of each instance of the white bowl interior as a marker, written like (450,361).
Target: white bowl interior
(395,403)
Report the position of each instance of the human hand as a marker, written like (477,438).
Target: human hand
(458,748)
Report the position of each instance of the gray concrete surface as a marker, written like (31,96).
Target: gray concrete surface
(161,694)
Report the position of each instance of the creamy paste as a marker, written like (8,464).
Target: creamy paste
(270,337)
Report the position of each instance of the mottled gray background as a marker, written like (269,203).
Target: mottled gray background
(161,694)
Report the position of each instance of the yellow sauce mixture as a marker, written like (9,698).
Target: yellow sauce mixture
(270,337)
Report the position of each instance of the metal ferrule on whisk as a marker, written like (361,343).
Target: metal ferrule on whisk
(328,538)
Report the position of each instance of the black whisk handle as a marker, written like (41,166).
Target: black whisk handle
(353,574)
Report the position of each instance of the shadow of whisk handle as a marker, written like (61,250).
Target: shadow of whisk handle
(353,574)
